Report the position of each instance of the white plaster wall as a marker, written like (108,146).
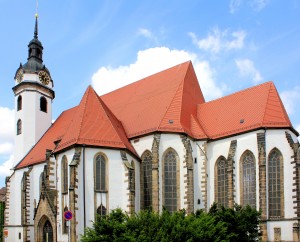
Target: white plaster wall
(34,122)
(286,229)
(142,144)
(198,153)
(69,155)
(13,234)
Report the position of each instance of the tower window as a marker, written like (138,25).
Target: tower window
(19,103)
(43,104)
(19,127)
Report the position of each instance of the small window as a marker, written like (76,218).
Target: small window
(19,127)
(100,173)
(43,104)
(19,103)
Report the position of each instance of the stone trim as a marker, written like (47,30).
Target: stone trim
(261,145)
(295,146)
(155,172)
(130,193)
(204,178)
(230,174)
(7,201)
(189,179)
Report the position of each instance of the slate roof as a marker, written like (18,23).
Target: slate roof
(169,101)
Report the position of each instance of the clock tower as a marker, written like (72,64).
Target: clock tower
(34,93)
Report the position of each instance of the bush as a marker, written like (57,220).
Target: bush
(219,224)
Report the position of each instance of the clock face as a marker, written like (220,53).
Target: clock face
(44,77)
(19,76)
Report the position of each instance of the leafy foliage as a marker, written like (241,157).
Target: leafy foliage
(219,224)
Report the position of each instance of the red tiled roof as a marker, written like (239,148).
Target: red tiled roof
(94,124)
(252,108)
(169,101)
(162,102)
(54,133)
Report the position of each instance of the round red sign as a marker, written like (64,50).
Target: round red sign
(68,215)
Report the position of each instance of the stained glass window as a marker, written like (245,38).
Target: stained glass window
(222,182)
(170,181)
(275,188)
(147,179)
(100,173)
(248,179)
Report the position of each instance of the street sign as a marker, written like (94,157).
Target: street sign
(68,215)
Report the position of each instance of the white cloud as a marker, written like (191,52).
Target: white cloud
(234,5)
(6,128)
(145,32)
(6,166)
(290,99)
(151,61)
(247,69)
(218,40)
(259,5)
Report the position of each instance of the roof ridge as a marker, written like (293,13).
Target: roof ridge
(238,92)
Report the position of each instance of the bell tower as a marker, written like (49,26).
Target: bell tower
(33,91)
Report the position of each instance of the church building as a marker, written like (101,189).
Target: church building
(154,143)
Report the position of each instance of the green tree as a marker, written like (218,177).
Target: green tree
(219,224)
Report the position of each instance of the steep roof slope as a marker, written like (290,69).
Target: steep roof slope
(166,101)
(252,108)
(54,133)
(94,124)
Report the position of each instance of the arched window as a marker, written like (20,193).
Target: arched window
(41,181)
(100,173)
(248,179)
(19,127)
(171,181)
(146,180)
(43,104)
(275,180)
(19,103)
(101,211)
(64,175)
(221,181)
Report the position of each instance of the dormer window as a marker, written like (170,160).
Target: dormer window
(19,103)
(43,104)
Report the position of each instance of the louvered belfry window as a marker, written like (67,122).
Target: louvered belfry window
(275,188)
(100,173)
(170,181)
(222,182)
(248,179)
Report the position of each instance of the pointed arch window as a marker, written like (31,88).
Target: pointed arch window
(101,211)
(171,181)
(221,181)
(100,173)
(19,127)
(19,103)
(146,180)
(248,179)
(64,175)
(275,184)
(43,104)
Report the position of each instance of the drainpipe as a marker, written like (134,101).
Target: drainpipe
(83,171)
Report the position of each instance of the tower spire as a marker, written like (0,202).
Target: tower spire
(36,26)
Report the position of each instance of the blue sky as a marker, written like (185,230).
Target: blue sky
(233,44)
